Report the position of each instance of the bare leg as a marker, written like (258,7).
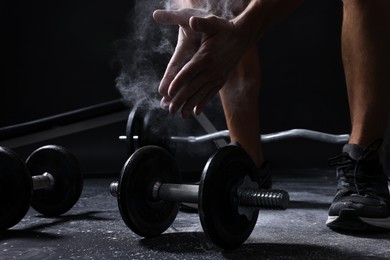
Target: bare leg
(362,201)
(366,58)
(240,100)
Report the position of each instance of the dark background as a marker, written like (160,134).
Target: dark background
(58,56)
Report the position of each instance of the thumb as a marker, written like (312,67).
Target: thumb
(169,17)
(208,25)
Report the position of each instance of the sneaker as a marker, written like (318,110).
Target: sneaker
(362,201)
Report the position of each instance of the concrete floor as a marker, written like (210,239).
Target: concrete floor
(93,229)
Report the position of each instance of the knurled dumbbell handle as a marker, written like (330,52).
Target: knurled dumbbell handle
(276,199)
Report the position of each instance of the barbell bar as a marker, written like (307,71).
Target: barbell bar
(155,127)
(265,138)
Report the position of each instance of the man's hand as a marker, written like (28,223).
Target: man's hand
(207,51)
(188,43)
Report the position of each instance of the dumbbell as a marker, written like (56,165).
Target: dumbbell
(149,194)
(147,128)
(50,181)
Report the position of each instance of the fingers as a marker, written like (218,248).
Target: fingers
(206,25)
(168,17)
(196,92)
(172,69)
(165,102)
(198,101)
(179,58)
(202,104)
(186,74)
(186,85)
(175,76)
(176,17)
(184,51)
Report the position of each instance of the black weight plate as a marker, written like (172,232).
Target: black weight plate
(158,127)
(218,203)
(68,180)
(149,127)
(15,189)
(141,213)
(134,128)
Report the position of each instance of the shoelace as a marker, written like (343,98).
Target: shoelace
(344,162)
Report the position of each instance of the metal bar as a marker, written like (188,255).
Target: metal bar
(65,130)
(201,138)
(209,128)
(272,137)
(114,186)
(43,181)
(78,115)
(267,138)
(306,134)
(179,192)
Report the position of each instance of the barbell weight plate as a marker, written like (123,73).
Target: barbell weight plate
(15,189)
(150,127)
(144,215)
(134,127)
(218,202)
(158,127)
(68,180)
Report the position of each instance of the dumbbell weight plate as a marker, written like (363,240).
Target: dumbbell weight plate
(68,185)
(218,203)
(15,189)
(144,215)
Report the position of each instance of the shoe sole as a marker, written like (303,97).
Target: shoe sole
(349,219)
